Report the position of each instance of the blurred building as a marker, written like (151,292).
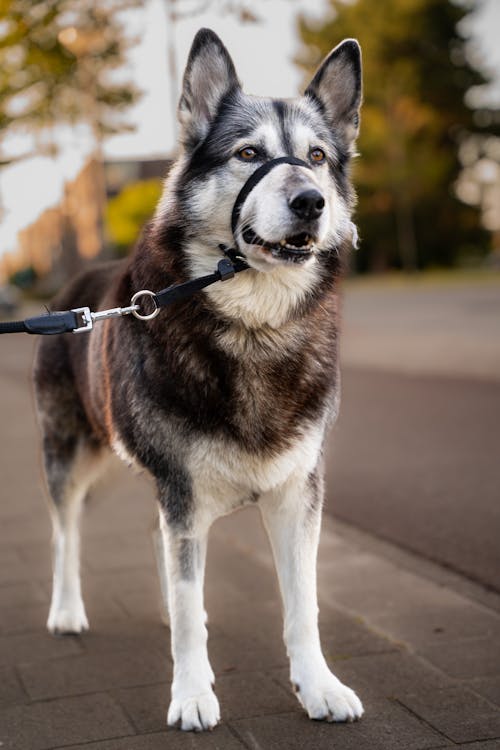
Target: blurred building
(64,238)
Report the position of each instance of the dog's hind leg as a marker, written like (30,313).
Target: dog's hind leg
(70,469)
(72,459)
(161,564)
(292,517)
(194,704)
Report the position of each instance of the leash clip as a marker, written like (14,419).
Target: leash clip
(86,318)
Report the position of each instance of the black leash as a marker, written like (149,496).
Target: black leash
(82,319)
(56,322)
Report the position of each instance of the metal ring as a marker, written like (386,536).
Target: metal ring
(145,293)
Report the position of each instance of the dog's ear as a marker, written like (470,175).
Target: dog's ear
(209,76)
(337,87)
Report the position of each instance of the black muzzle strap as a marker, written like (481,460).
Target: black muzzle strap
(255,178)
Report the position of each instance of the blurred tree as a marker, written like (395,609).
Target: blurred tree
(128,211)
(416,75)
(243,11)
(56,63)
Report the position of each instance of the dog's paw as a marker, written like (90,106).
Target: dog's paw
(67,620)
(194,713)
(328,699)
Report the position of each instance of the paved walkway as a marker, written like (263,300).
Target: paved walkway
(421,648)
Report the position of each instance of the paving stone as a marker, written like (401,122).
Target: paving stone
(456,712)
(26,647)
(12,567)
(116,583)
(262,618)
(126,636)
(245,653)
(146,706)
(388,675)
(27,528)
(141,605)
(11,690)
(23,619)
(33,618)
(252,694)
(43,726)
(343,636)
(111,552)
(488,687)
(255,579)
(374,587)
(466,659)
(240,695)
(387,727)
(92,672)
(440,624)
(172,739)
(382,675)
(38,557)
(22,594)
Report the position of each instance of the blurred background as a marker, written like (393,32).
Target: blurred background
(88,93)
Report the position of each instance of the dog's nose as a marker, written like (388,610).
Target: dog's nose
(308,205)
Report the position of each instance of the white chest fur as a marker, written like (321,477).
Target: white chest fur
(226,476)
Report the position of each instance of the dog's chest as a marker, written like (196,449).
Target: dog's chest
(229,475)
(262,404)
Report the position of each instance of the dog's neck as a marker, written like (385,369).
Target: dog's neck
(254,299)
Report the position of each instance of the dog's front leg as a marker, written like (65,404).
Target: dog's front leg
(193,702)
(292,517)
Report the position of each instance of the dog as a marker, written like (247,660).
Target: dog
(225,397)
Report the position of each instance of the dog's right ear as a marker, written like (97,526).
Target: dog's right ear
(209,76)
(337,87)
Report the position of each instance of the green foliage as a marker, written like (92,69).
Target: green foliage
(128,211)
(416,75)
(56,57)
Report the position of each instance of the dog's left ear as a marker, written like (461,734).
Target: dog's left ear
(209,76)
(338,88)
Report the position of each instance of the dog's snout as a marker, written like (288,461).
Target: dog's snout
(308,204)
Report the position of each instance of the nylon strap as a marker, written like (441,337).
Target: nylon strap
(255,178)
(56,322)
(225,270)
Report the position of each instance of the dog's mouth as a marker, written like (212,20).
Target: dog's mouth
(294,249)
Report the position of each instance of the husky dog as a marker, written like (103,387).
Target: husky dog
(224,397)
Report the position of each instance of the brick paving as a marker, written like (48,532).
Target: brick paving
(422,654)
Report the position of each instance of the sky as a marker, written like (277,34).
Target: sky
(263,54)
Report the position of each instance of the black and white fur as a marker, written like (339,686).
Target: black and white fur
(223,398)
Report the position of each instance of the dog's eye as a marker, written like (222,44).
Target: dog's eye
(317,155)
(248,153)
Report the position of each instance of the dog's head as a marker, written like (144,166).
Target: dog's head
(294,212)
